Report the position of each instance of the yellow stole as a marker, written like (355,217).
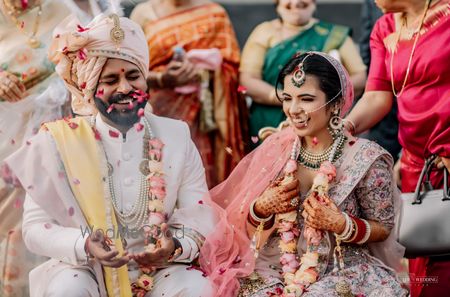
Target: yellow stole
(79,152)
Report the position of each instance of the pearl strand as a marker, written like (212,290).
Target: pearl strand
(136,217)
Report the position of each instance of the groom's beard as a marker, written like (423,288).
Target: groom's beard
(121,117)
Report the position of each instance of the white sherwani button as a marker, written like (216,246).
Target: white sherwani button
(127,156)
(128,181)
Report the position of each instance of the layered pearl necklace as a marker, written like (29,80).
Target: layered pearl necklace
(136,217)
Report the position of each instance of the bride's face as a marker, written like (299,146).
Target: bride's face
(299,104)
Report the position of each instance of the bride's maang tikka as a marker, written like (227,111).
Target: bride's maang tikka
(299,75)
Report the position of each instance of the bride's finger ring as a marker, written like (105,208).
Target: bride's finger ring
(294,201)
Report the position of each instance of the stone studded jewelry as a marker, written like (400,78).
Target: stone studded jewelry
(117,34)
(299,75)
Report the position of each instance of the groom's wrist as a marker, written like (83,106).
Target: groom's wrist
(177,251)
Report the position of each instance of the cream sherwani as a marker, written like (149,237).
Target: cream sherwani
(61,237)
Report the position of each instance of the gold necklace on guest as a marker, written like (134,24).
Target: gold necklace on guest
(427,6)
(33,42)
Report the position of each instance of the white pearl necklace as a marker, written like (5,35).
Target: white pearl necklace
(137,215)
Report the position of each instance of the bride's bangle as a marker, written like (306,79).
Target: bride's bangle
(256,221)
(349,228)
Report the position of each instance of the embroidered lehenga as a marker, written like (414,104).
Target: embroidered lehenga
(364,188)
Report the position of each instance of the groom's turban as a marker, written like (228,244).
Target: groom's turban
(80,54)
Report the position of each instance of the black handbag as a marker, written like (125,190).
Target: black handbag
(424,228)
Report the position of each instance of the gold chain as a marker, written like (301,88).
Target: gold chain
(427,6)
(33,42)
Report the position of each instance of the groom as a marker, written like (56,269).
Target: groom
(90,178)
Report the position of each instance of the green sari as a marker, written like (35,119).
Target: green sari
(321,36)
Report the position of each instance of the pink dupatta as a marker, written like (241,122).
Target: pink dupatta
(226,254)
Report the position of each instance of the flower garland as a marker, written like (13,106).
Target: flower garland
(298,275)
(156,214)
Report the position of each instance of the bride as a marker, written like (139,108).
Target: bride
(312,211)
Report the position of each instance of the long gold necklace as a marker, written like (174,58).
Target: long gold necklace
(427,6)
(33,42)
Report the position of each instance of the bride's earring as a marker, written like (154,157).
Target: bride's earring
(336,125)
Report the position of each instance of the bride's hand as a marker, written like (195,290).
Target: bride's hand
(323,217)
(278,198)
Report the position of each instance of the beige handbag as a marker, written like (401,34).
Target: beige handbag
(424,228)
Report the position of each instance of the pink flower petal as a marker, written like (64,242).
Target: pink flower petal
(237,260)
(96,134)
(113,134)
(242,89)
(83,86)
(47,225)
(229,150)
(255,139)
(100,93)
(30,187)
(81,29)
(61,174)
(76,181)
(13,142)
(82,54)
(156,143)
(140,112)
(200,202)
(28,142)
(57,36)
(110,108)
(138,127)
(73,125)
(71,211)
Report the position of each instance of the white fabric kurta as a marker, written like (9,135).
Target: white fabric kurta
(48,232)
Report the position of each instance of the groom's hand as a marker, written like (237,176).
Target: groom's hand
(106,254)
(160,257)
